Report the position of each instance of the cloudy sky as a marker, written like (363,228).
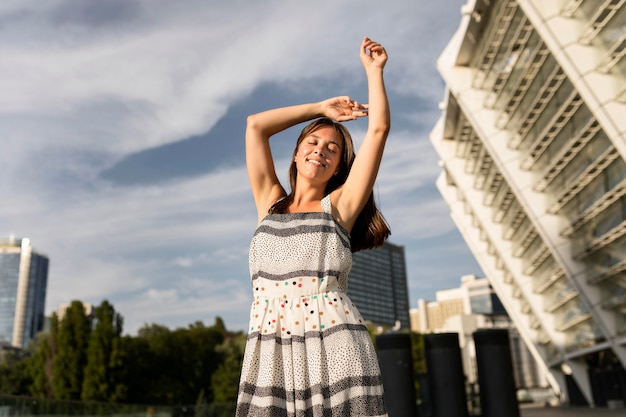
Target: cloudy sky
(122,125)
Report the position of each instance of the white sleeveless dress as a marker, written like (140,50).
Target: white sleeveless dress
(308,351)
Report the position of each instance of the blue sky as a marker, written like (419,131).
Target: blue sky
(122,124)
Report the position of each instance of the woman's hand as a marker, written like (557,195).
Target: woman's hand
(373,55)
(342,108)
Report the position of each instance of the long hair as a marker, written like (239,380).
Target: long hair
(370,229)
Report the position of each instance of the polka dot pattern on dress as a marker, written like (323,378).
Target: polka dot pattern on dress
(306,338)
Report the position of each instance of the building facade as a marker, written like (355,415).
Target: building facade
(23,282)
(532,142)
(378,285)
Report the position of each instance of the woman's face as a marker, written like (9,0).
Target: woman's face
(319,154)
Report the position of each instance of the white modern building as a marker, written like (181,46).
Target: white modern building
(532,143)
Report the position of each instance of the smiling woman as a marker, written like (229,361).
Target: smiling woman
(308,350)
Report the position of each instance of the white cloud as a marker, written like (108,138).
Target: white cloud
(86,83)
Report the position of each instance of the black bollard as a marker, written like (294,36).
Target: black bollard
(498,396)
(446,379)
(396,368)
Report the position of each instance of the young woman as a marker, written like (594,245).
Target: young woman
(308,351)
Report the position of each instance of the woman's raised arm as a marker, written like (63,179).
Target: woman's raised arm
(351,198)
(261,126)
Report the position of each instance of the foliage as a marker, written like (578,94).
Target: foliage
(40,365)
(71,357)
(418,355)
(105,367)
(225,379)
(194,365)
(87,358)
(174,367)
(13,375)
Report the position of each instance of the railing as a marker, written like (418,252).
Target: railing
(11,406)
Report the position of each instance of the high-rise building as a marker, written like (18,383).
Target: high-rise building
(378,285)
(532,142)
(23,282)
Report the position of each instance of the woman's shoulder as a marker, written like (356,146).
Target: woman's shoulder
(334,206)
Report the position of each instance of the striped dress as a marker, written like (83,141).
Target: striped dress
(308,352)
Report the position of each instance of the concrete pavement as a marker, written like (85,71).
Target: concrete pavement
(538,411)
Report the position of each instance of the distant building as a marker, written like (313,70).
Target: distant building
(62,310)
(23,282)
(474,296)
(473,306)
(378,285)
(532,148)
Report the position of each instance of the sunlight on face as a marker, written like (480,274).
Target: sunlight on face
(319,153)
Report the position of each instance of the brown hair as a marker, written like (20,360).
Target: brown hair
(370,229)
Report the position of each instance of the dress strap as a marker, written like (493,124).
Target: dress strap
(326,207)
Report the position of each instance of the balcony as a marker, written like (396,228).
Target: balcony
(538,257)
(568,153)
(563,298)
(598,207)
(500,263)
(512,221)
(592,171)
(573,321)
(464,137)
(494,182)
(615,302)
(537,60)
(570,7)
(503,204)
(472,153)
(489,52)
(543,98)
(482,170)
(535,323)
(543,339)
(615,54)
(602,241)
(562,117)
(548,282)
(603,14)
(523,33)
(527,236)
(611,272)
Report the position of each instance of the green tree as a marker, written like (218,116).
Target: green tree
(71,358)
(203,359)
(14,379)
(161,373)
(143,369)
(219,325)
(173,367)
(104,368)
(418,355)
(40,364)
(225,379)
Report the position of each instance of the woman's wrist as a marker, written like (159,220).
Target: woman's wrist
(374,71)
(318,109)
